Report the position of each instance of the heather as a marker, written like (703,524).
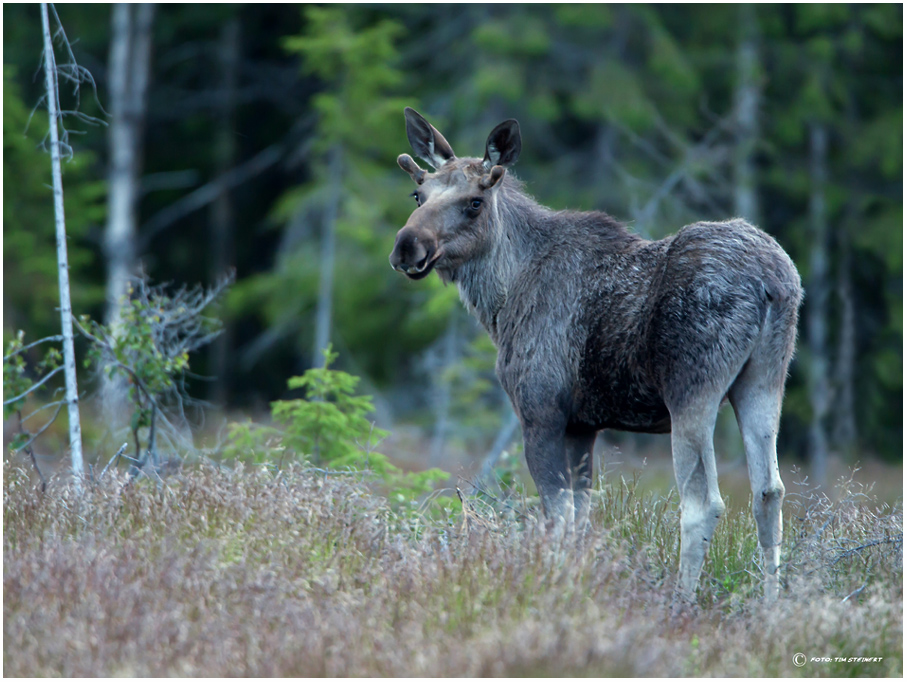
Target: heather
(248,571)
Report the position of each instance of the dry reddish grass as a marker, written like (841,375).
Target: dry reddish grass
(239,573)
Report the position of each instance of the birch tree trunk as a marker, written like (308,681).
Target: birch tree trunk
(328,249)
(69,356)
(817,293)
(221,214)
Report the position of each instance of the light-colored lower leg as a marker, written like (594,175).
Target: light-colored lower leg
(772,564)
(758,409)
(560,511)
(701,506)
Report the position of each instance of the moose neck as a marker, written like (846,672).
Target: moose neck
(515,225)
(523,231)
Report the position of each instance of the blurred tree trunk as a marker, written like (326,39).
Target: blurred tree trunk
(221,215)
(845,422)
(747,96)
(443,398)
(129,71)
(818,287)
(328,250)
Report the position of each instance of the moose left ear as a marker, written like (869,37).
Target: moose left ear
(503,145)
(426,141)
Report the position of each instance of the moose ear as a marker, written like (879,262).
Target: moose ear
(427,142)
(503,145)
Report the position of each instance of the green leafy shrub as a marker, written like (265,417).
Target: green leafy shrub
(148,347)
(19,383)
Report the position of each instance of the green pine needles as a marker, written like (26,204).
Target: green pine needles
(330,424)
(329,428)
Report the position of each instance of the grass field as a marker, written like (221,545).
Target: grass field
(248,573)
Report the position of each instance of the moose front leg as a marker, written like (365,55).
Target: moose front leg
(579,446)
(546,457)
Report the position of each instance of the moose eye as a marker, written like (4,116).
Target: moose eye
(475,204)
(415,195)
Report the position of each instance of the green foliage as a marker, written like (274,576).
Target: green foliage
(31,289)
(148,346)
(20,383)
(132,350)
(477,398)
(357,66)
(360,63)
(330,423)
(615,102)
(15,381)
(329,427)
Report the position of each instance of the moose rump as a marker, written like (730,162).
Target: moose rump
(598,328)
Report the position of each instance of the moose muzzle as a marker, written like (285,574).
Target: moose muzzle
(415,253)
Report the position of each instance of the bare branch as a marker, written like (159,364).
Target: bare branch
(207,193)
(46,339)
(40,431)
(84,75)
(46,406)
(897,540)
(34,387)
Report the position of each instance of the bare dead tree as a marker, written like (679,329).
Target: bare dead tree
(69,355)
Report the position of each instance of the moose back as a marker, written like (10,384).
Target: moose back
(597,328)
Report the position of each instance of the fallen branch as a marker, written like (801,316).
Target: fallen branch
(116,458)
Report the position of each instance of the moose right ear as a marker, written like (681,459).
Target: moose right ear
(427,142)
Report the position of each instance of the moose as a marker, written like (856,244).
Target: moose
(598,328)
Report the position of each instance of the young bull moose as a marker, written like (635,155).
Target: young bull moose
(597,328)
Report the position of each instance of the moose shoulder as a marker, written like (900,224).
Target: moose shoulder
(598,328)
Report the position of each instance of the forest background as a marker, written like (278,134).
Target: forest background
(263,138)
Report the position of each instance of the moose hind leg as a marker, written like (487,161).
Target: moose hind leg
(757,404)
(701,506)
